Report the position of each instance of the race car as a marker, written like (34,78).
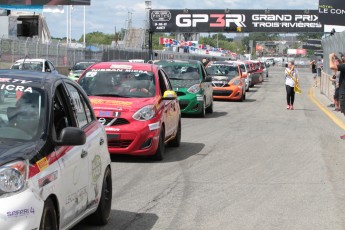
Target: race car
(137,106)
(227,80)
(54,161)
(192,85)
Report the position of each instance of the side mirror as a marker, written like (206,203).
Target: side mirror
(244,74)
(169,95)
(208,79)
(72,136)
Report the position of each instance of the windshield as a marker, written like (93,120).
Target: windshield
(222,70)
(82,65)
(180,71)
(100,82)
(31,65)
(22,112)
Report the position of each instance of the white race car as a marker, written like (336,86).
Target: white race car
(54,160)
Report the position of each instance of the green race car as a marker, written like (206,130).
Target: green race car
(191,84)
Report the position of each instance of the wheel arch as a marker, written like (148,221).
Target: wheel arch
(55,200)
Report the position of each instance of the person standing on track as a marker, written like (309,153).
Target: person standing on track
(290,73)
(314,72)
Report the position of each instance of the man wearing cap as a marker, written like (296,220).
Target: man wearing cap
(336,65)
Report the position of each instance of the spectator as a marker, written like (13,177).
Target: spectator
(335,65)
(291,76)
(319,66)
(314,72)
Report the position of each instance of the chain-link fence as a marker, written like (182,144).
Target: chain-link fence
(331,44)
(64,55)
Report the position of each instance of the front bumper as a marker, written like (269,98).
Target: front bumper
(21,211)
(139,138)
(228,93)
(191,103)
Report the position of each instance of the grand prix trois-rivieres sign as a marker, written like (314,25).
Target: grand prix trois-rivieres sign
(44,2)
(205,21)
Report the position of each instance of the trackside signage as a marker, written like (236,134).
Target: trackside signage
(195,21)
(332,12)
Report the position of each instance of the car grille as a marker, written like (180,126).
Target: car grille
(220,85)
(222,92)
(183,104)
(118,121)
(180,93)
(121,144)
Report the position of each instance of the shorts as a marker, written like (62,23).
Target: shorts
(336,94)
(342,102)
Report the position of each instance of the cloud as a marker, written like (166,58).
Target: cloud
(105,15)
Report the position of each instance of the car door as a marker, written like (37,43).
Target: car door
(73,161)
(96,141)
(207,86)
(169,105)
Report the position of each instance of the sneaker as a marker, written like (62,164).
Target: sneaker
(331,105)
(342,137)
(291,107)
(288,107)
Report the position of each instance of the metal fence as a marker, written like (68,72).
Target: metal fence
(330,44)
(65,55)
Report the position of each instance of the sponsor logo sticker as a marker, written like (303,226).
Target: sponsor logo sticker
(42,164)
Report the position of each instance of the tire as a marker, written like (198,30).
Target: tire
(102,214)
(210,108)
(177,140)
(159,155)
(49,217)
(203,109)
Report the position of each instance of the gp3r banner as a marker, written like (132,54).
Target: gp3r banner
(332,12)
(208,21)
(45,2)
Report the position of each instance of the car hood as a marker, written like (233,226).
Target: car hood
(120,104)
(184,83)
(13,150)
(222,78)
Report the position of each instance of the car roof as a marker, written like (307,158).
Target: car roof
(31,59)
(179,61)
(36,78)
(222,62)
(124,65)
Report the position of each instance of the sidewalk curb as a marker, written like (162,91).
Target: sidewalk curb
(336,118)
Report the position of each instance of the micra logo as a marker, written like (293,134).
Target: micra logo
(213,20)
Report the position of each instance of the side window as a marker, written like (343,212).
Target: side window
(203,71)
(167,81)
(51,66)
(80,107)
(61,115)
(162,82)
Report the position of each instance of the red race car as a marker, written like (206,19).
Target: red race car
(137,106)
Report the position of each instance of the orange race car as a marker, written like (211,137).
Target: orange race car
(228,81)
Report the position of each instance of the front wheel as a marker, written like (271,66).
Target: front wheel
(210,108)
(203,109)
(177,140)
(101,216)
(49,217)
(159,155)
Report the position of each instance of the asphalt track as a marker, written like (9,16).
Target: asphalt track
(249,165)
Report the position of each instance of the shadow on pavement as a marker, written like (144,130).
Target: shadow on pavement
(123,220)
(172,154)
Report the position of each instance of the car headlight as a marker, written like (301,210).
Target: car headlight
(235,82)
(13,176)
(145,113)
(194,89)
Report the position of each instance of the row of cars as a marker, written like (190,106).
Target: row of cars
(56,134)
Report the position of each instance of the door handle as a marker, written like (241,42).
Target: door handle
(83,153)
(101,141)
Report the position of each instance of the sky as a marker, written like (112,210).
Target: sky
(106,15)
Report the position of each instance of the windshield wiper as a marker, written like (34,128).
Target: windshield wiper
(109,95)
(175,78)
